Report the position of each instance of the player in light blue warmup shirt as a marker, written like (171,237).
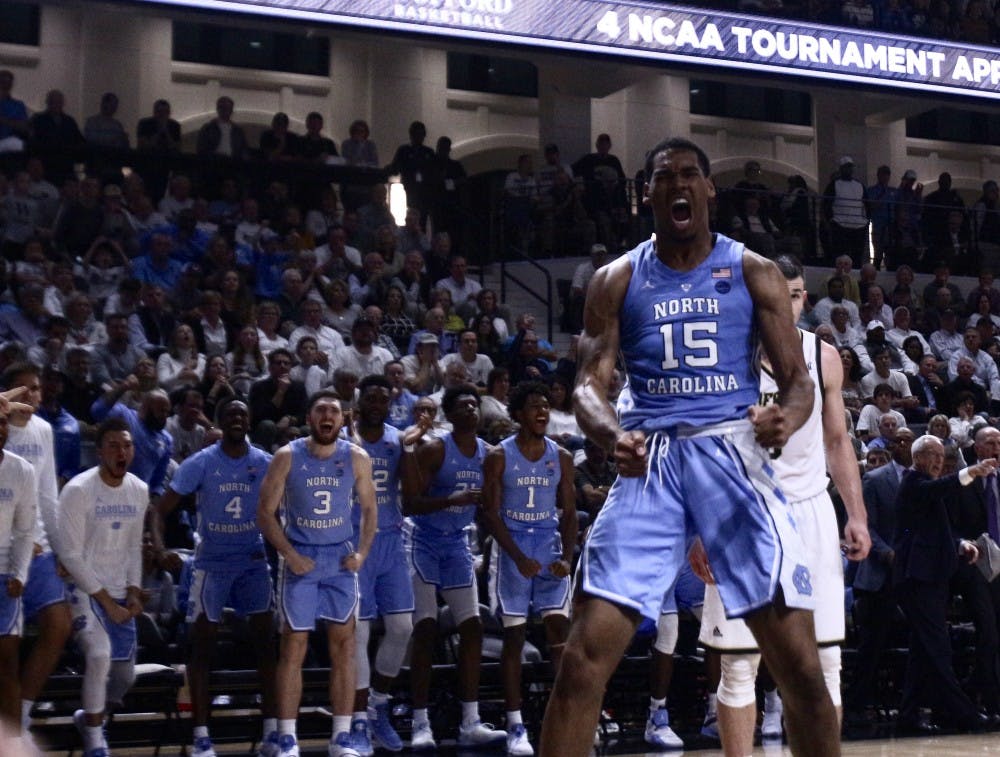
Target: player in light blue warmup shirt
(443,500)
(530,508)
(230,567)
(384,581)
(317,478)
(684,309)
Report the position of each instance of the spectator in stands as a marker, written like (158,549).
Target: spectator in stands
(589,168)
(488,304)
(563,428)
(211,332)
(526,362)
(414,162)
(45,192)
(888,425)
(181,364)
(928,387)
(396,322)
(410,236)
(26,324)
(985,288)
(422,371)
(81,221)
(402,402)
(328,340)
(986,219)
(909,240)
(103,129)
(21,217)
(844,210)
(178,198)
(575,232)
(374,215)
(520,199)
(14,125)
(237,300)
(65,428)
(103,269)
(798,226)
(370,284)
(843,333)
(941,275)
(53,133)
(964,381)
(983,312)
(277,403)
(363,356)
(901,330)
(247,362)
(936,208)
(306,370)
(51,349)
(158,267)
(221,136)
(581,280)
(159,133)
(358,149)
(339,311)
(463,290)
(188,425)
(116,358)
(595,475)
(751,186)
(876,308)
(871,415)
(153,445)
(84,329)
(336,258)
(449,178)
(312,146)
(756,228)
(904,293)
(434,323)
(413,282)
(986,368)
(477,365)
(81,388)
(278,143)
(268,320)
(821,311)
(881,201)
(883,373)
(152,323)
(215,386)
(851,387)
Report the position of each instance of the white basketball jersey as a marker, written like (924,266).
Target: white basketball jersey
(801,466)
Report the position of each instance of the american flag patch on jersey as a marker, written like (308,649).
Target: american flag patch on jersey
(722,273)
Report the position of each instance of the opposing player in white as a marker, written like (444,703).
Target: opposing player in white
(821,444)
(101,516)
(18,502)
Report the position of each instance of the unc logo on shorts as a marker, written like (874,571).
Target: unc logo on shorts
(802,581)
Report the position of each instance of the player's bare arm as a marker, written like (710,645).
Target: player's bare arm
(364,487)
(597,354)
(776,422)
(416,501)
(568,524)
(840,461)
(272,489)
(493,468)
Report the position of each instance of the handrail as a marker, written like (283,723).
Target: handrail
(545,299)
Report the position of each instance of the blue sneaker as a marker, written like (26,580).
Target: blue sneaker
(343,746)
(383,735)
(360,738)
(659,733)
(517,742)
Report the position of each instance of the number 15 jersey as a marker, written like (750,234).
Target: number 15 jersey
(228,491)
(688,340)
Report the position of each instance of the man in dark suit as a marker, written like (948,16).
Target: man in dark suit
(975,513)
(927,554)
(874,606)
(927,387)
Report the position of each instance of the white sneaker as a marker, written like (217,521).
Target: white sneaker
(659,733)
(770,727)
(479,734)
(422,737)
(517,742)
(287,746)
(203,747)
(342,746)
(269,746)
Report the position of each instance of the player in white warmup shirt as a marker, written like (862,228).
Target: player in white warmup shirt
(18,502)
(821,444)
(44,600)
(101,517)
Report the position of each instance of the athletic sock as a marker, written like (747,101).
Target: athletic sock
(772,701)
(26,705)
(713,706)
(375,698)
(286,726)
(93,735)
(270,726)
(420,716)
(470,713)
(656,704)
(341,724)
(200,732)
(514,718)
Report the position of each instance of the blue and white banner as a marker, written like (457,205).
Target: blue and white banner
(655,31)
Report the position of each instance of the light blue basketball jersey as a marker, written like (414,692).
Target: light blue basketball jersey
(319,494)
(228,490)
(529,488)
(385,455)
(688,341)
(457,474)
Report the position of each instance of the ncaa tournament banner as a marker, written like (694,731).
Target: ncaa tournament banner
(654,31)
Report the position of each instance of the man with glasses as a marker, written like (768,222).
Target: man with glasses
(277,403)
